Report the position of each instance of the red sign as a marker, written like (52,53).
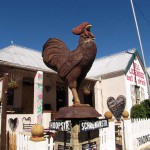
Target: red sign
(136,74)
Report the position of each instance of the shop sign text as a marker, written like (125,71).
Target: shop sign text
(60,125)
(87,125)
(135,74)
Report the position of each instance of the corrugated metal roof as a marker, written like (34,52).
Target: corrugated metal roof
(112,63)
(29,58)
(23,57)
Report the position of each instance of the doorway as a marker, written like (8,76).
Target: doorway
(27,97)
(61,96)
(88,99)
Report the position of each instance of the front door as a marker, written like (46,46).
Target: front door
(27,98)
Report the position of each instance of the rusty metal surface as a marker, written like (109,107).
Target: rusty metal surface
(77,112)
(71,66)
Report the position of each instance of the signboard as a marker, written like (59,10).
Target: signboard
(87,125)
(89,146)
(60,125)
(61,147)
(116,106)
(136,74)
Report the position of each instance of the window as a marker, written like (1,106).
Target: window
(135,94)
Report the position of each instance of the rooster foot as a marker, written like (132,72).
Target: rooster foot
(80,105)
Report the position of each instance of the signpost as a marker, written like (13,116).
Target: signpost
(60,125)
(86,125)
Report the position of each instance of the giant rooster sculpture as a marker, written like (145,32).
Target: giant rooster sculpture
(72,66)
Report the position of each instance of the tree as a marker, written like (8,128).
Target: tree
(146,105)
(138,111)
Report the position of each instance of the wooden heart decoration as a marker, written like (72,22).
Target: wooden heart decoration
(13,124)
(26,120)
(116,106)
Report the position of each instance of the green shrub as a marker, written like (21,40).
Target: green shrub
(146,104)
(138,111)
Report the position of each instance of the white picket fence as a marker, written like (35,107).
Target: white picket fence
(107,137)
(23,143)
(107,140)
(137,133)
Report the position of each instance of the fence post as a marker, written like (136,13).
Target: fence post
(51,143)
(128,135)
(107,137)
(41,145)
(17,141)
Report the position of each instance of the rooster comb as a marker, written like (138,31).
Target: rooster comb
(79,29)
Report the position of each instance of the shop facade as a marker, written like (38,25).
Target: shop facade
(41,93)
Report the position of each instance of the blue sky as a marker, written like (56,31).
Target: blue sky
(30,23)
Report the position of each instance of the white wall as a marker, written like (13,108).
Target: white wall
(112,87)
(98,97)
(20,121)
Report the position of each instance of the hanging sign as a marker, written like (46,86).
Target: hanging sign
(60,125)
(86,125)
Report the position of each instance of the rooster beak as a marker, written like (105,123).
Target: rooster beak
(88,27)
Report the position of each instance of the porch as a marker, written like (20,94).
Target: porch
(39,95)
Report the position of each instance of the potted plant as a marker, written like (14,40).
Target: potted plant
(86,90)
(13,84)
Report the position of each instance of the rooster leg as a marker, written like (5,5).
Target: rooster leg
(76,99)
(75,96)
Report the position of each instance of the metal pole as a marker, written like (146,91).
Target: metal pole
(141,47)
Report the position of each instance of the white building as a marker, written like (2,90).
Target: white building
(117,74)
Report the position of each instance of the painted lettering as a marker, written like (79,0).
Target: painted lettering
(143,139)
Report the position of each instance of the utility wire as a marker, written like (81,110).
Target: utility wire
(140,11)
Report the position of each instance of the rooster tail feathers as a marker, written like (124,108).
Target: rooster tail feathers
(54,50)
(56,43)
